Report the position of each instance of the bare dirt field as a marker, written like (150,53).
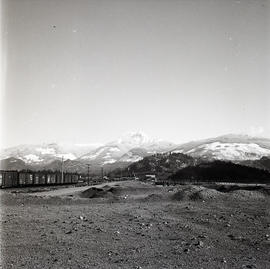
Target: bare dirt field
(136,225)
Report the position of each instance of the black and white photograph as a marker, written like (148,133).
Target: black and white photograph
(135,134)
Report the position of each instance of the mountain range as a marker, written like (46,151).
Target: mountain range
(119,153)
(228,147)
(132,148)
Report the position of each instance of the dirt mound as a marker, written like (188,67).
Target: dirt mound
(244,191)
(186,193)
(196,193)
(105,192)
(123,189)
(245,194)
(206,194)
(153,198)
(231,188)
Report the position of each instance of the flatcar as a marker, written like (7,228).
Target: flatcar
(9,179)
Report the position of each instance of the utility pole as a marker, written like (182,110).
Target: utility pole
(88,177)
(101,172)
(62,170)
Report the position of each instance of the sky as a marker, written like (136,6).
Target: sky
(88,71)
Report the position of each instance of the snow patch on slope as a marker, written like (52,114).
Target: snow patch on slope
(94,155)
(228,151)
(132,159)
(43,151)
(109,161)
(32,158)
(236,151)
(66,156)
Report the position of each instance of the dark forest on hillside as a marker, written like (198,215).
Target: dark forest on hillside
(219,171)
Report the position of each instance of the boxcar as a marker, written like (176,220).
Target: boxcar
(75,178)
(26,178)
(29,178)
(49,179)
(42,179)
(68,178)
(22,179)
(58,178)
(8,179)
(36,179)
(53,178)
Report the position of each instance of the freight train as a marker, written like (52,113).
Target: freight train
(9,179)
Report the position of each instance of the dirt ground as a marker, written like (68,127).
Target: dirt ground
(135,225)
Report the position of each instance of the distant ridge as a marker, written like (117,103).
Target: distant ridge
(133,147)
(220,171)
(227,147)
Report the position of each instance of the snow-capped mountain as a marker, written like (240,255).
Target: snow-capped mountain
(103,155)
(134,155)
(134,140)
(228,147)
(128,148)
(45,153)
(131,148)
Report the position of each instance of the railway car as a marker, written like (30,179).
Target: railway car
(22,180)
(58,178)
(75,178)
(36,179)
(10,179)
(51,178)
(67,178)
(42,179)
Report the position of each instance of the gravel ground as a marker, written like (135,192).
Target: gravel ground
(135,225)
